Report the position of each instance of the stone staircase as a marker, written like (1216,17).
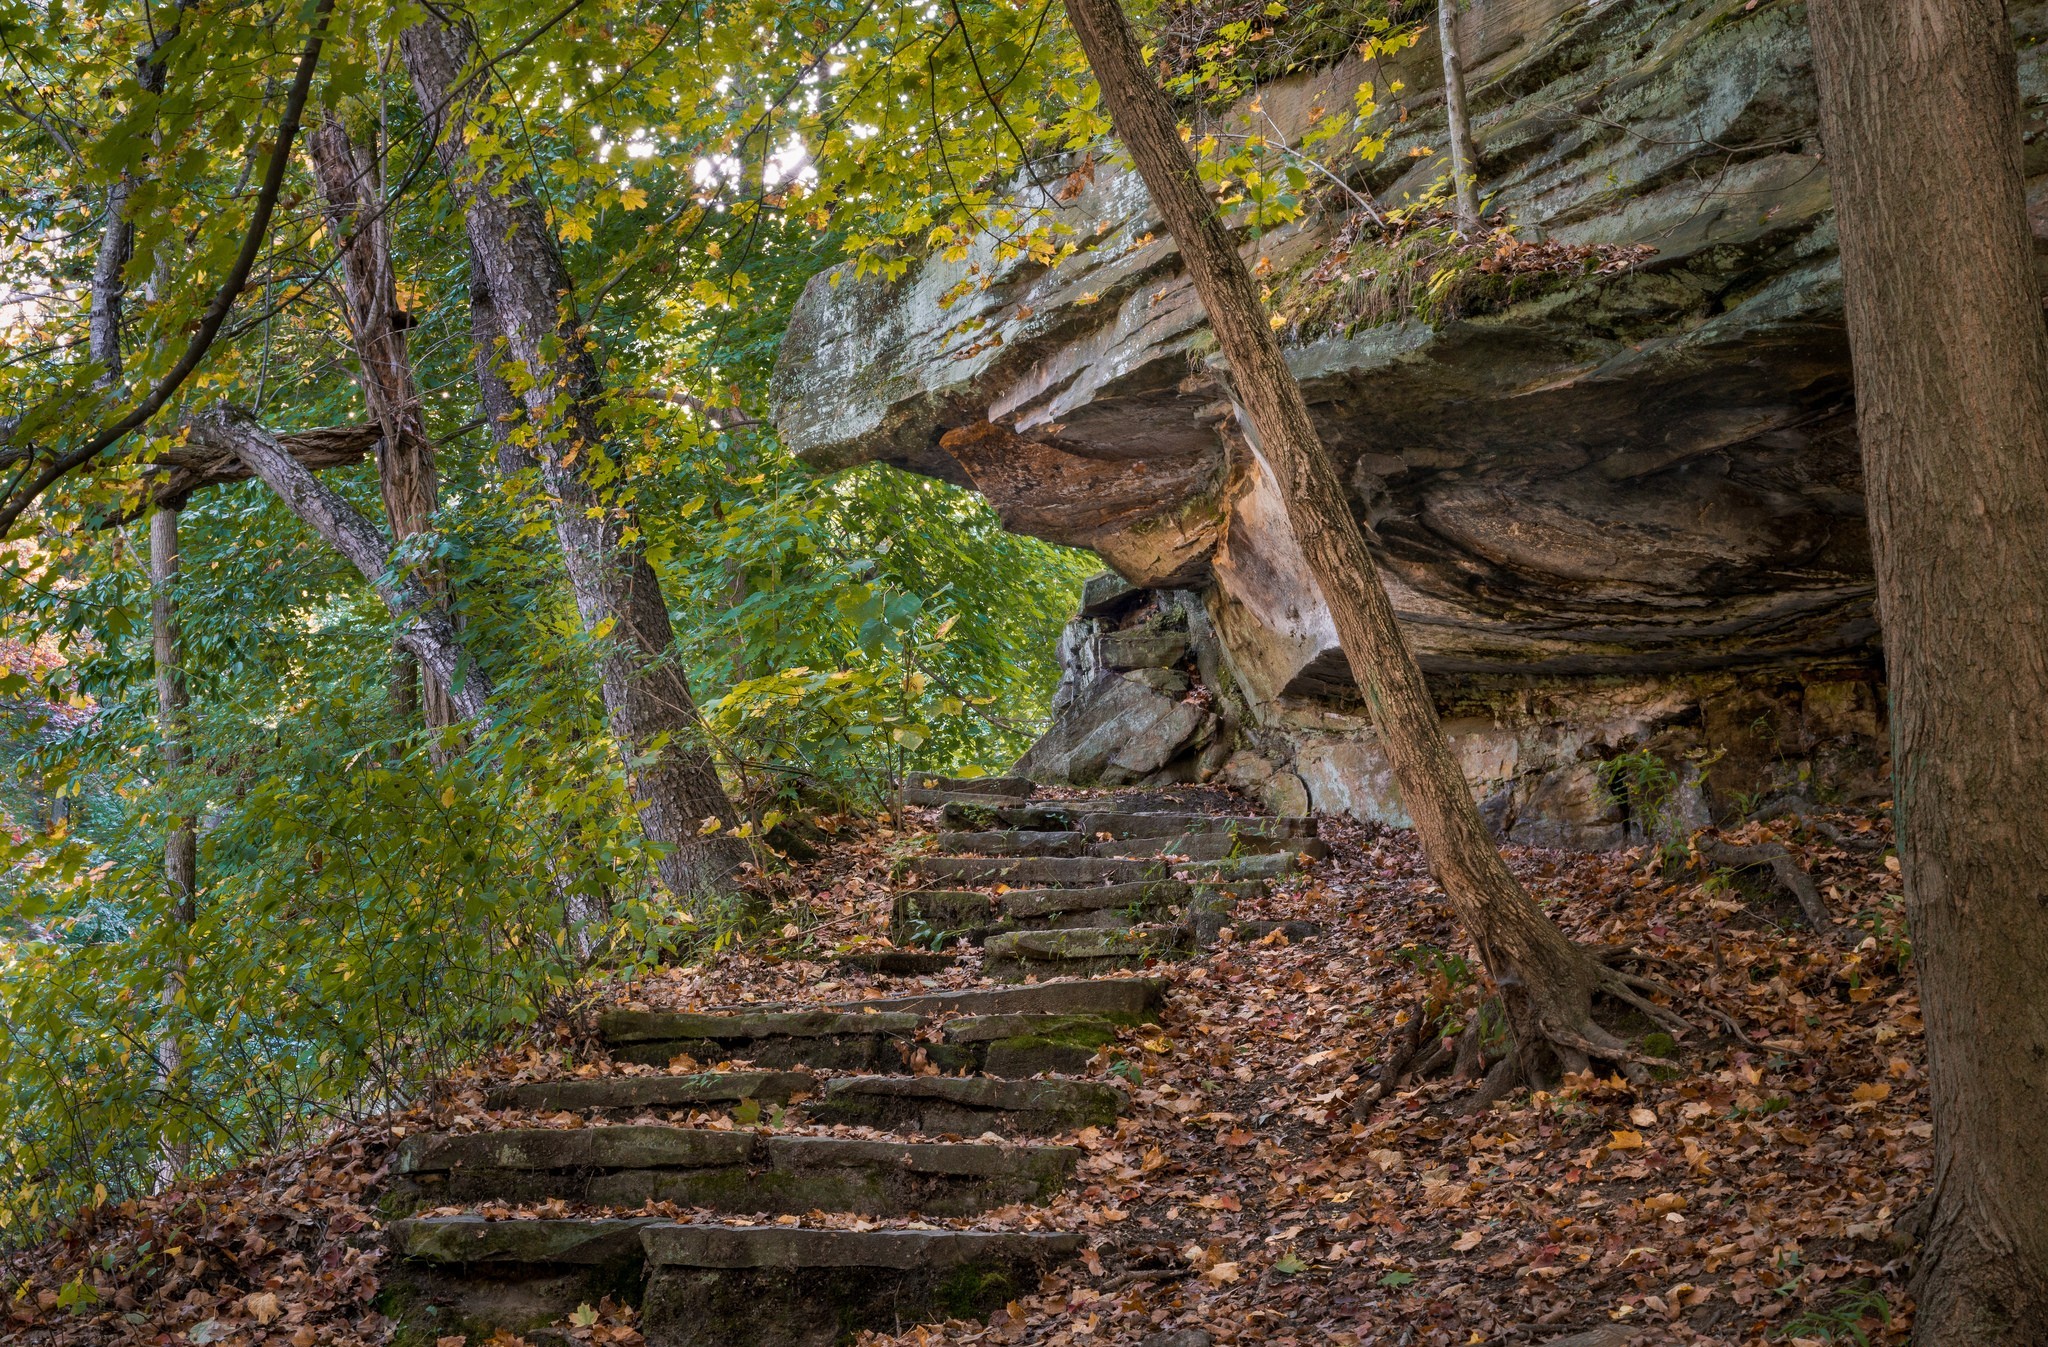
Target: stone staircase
(957,1092)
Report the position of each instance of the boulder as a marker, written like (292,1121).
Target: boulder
(1114,732)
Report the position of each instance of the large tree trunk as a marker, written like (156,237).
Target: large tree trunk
(1547,983)
(424,628)
(181,844)
(1920,119)
(1464,156)
(352,187)
(500,403)
(617,594)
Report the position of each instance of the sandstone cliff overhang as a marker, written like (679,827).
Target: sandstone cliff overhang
(1651,472)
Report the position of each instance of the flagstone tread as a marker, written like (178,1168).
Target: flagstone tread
(1272,865)
(943,799)
(625,1092)
(902,963)
(1133,998)
(589,1242)
(969,1104)
(723,1246)
(1031,904)
(635,1026)
(770,1287)
(737,1171)
(1034,870)
(973,785)
(1012,842)
(1091,820)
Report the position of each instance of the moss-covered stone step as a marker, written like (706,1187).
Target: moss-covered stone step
(934,799)
(703,1286)
(1128,1000)
(837,1040)
(1081,949)
(898,963)
(770,1286)
(936,918)
(1210,846)
(1013,842)
(463,1275)
(1273,865)
(967,1105)
(736,1171)
(1008,786)
(1022,871)
(1140,901)
(1093,821)
(1019,1045)
(598,1094)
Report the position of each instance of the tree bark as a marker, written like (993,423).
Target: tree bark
(1546,982)
(352,189)
(500,404)
(109,284)
(424,628)
(1464,156)
(1920,120)
(618,596)
(181,843)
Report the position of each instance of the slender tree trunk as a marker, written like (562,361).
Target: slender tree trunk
(617,594)
(181,845)
(352,187)
(424,628)
(1464,156)
(109,283)
(1547,983)
(1920,119)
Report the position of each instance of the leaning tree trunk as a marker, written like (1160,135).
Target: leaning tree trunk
(1464,156)
(618,596)
(424,629)
(1547,983)
(352,187)
(1920,122)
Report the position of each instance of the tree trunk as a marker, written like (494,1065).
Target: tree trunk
(1920,120)
(500,403)
(181,844)
(109,284)
(352,188)
(617,594)
(1464,156)
(1547,983)
(424,628)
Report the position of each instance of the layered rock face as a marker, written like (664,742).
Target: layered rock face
(1613,510)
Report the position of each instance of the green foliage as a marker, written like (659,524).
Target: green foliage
(1858,1314)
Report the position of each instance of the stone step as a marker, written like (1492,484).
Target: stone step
(897,963)
(737,1171)
(1022,871)
(770,1286)
(1013,842)
(935,918)
(1087,949)
(967,1105)
(946,799)
(835,1040)
(1008,786)
(601,1094)
(1025,906)
(1091,820)
(1123,1000)
(1237,869)
(1215,846)
(1019,1045)
(704,1285)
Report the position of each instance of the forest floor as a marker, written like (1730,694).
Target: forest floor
(1753,1197)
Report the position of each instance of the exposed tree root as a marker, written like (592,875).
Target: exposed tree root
(1417,1050)
(1783,865)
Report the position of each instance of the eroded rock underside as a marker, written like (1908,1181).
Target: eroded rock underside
(1615,511)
